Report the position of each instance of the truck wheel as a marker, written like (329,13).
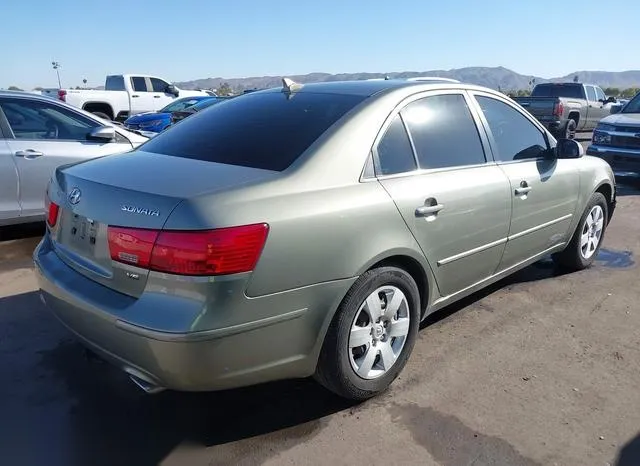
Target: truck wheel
(104,116)
(371,335)
(569,130)
(587,239)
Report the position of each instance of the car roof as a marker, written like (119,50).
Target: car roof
(367,88)
(24,94)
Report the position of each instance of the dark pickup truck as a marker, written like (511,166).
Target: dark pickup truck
(564,108)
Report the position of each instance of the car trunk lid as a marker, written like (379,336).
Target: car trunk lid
(116,204)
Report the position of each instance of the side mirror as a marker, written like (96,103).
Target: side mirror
(616,109)
(171,89)
(611,100)
(569,149)
(102,133)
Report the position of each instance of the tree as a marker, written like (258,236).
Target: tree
(224,89)
(523,93)
(37,88)
(612,91)
(630,92)
(14,88)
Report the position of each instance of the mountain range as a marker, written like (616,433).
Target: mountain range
(498,78)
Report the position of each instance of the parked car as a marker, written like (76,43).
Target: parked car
(309,229)
(617,139)
(157,121)
(124,95)
(565,108)
(38,134)
(181,114)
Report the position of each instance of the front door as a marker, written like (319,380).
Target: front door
(432,162)
(544,190)
(160,96)
(45,135)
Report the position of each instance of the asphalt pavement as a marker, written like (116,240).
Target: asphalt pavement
(539,369)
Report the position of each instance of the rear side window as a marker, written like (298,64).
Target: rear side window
(395,154)
(139,84)
(259,130)
(443,132)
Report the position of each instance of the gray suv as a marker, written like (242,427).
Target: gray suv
(309,229)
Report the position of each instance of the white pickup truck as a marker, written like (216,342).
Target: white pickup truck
(124,95)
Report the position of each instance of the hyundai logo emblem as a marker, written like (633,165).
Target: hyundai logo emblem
(74,196)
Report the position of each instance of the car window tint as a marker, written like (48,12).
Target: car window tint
(600,94)
(139,84)
(591,94)
(267,130)
(36,120)
(395,154)
(516,137)
(115,83)
(158,85)
(443,132)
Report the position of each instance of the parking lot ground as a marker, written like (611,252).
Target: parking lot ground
(540,369)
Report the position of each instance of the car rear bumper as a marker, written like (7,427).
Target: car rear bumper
(624,162)
(281,346)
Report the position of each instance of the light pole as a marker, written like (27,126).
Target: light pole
(56,66)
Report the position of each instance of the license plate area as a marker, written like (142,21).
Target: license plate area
(80,234)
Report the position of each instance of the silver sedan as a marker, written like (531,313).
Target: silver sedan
(39,134)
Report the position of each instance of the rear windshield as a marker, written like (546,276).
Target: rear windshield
(268,131)
(574,91)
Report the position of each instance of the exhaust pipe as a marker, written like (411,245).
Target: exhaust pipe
(147,386)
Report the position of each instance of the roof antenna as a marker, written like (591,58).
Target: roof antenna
(289,85)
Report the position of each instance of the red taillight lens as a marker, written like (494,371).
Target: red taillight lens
(52,216)
(212,252)
(62,95)
(131,246)
(558,109)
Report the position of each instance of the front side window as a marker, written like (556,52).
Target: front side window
(259,130)
(515,136)
(36,120)
(394,151)
(158,85)
(591,94)
(443,131)
(600,94)
(139,83)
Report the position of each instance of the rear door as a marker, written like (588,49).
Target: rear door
(431,160)
(9,204)
(44,135)
(544,190)
(141,98)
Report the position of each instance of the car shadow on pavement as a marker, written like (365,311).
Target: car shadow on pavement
(59,407)
(14,232)
(629,455)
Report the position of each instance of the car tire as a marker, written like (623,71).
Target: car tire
(585,243)
(568,131)
(102,115)
(389,342)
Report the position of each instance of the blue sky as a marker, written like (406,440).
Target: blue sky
(190,39)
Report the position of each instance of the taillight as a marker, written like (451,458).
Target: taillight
(52,215)
(558,109)
(131,246)
(62,95)
(211,252)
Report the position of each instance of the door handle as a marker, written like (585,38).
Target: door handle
(523,189)
(430,207)
(134,96)
(156,96)
(29,154)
